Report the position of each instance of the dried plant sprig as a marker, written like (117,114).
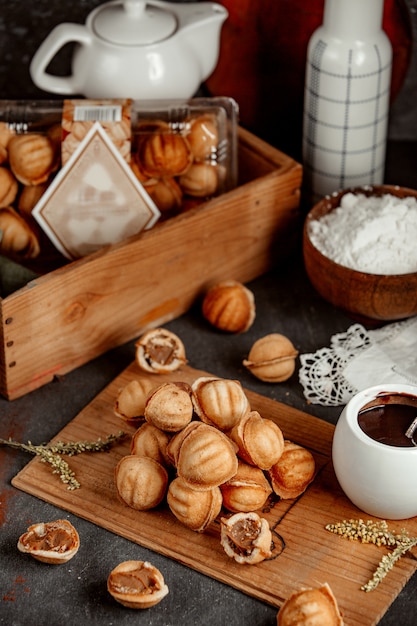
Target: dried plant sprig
(71,448)
(50,453)
(378,534)
(366,532)
(60,467)
(387,563)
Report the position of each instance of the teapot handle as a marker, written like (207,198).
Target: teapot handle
(62,34)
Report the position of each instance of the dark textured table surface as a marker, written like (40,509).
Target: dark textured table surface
(75,593)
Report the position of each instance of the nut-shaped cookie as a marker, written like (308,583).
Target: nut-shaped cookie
(200,180)
(176,440)
(272,358)
(164,154)
(137,169)
(159,351)
(293,472)
(136,584)
(131,399)
(169,406)
(4,155)
(248,490)
(55,134)
(29,197)
(141,482)
(148,440)
(148,127)
(310,607)
(260,441)
(195,509)
(220,402)
(246,538)
(6,133)
(32,158)
(229,306)
(17,239)
(165,192)
(8,187)
(50,542)
(206,457)
(203,137)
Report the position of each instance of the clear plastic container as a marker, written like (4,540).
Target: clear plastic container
(182,152)
(208,128)
(217,119)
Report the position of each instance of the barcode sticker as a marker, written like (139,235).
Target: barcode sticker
(79,116)
(105,113)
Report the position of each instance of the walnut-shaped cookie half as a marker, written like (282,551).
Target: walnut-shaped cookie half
(165,192)
(141,482)
(169,406)
(195,509)
(259,440)
(174,445)
(206,457)
(229,306)
(220,402)
(137,584)
(7,131)
(246,538)
(148,440)
(160,351)
(29,196)
(8,187)
(164,154)
(203,137)
(32,158)
(200,180)
(272,358)
(17,239)
(293,472)
(310,607)
(50,542)
(4,155)
(131,399)
(248,490)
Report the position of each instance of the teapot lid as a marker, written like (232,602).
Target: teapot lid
(133,22)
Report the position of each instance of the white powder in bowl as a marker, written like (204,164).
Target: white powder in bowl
(376,235)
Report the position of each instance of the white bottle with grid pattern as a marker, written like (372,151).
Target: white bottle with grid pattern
(346,100)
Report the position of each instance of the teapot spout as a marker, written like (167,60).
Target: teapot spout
(200,26)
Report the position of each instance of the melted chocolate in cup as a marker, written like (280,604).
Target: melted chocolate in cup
(387,419)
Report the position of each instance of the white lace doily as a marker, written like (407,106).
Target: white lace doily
(360,358)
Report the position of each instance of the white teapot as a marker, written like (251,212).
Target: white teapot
(135,49)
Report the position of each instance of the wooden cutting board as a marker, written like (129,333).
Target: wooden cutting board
(305,554)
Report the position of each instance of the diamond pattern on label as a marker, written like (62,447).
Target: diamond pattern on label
(95,200)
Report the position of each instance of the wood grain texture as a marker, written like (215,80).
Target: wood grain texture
(304,554)
(77,312)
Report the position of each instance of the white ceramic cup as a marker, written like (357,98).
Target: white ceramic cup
(379,479)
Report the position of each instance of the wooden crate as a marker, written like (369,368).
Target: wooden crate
(69,316)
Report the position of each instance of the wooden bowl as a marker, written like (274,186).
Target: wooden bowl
(367,298)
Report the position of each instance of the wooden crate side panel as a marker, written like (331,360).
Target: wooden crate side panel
(257,158)
(3,377)
(71,318)
(66,318)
